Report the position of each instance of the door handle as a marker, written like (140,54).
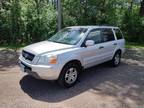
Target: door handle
(101,47)
(115,44)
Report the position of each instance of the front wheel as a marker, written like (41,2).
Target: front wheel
(116,59)
(69,75)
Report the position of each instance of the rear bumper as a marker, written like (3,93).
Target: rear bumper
(40,71)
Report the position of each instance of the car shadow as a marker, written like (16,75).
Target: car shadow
(120,82)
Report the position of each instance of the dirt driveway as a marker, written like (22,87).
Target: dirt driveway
(99,87)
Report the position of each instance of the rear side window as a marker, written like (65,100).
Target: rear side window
(118,34)
(107,35)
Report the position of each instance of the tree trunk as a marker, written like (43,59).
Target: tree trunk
(142,8)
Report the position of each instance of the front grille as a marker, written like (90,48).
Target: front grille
(27,55)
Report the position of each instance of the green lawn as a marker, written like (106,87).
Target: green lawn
(134,45)
(14,47)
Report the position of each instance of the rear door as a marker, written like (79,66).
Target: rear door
(109,43)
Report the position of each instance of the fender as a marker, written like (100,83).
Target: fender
(67,57)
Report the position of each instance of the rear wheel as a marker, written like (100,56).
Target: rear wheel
(116,59)
(69,75)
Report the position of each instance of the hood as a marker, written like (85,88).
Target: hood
(46,46)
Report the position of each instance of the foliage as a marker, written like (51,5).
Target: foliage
(27,21)
(133,25)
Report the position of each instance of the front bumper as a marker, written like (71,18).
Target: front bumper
(40,71)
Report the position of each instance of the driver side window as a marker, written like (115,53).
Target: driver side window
(95,35)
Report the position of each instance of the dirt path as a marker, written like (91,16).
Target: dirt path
(99,87)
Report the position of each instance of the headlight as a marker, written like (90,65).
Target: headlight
(53,60)
(47,59)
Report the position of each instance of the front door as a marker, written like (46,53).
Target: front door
(92,55)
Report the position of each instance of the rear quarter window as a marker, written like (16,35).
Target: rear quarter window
(118,34)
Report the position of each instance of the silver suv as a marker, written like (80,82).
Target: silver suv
(63,56)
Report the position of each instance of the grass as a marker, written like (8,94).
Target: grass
(134,45)
(13,47)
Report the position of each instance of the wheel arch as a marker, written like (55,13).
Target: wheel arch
(119,51)
(73,61)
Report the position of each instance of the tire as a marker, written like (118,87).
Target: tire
(116,59)
(69,75)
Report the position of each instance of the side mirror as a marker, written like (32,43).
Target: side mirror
(89,43)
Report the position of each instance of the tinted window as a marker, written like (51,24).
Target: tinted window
(95,35)
(107,35)
(118,34)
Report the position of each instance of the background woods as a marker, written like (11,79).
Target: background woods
(27,21)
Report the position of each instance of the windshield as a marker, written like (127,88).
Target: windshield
(68,36)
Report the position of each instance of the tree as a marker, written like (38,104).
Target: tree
(142,8)
(28,21)
(15,19)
